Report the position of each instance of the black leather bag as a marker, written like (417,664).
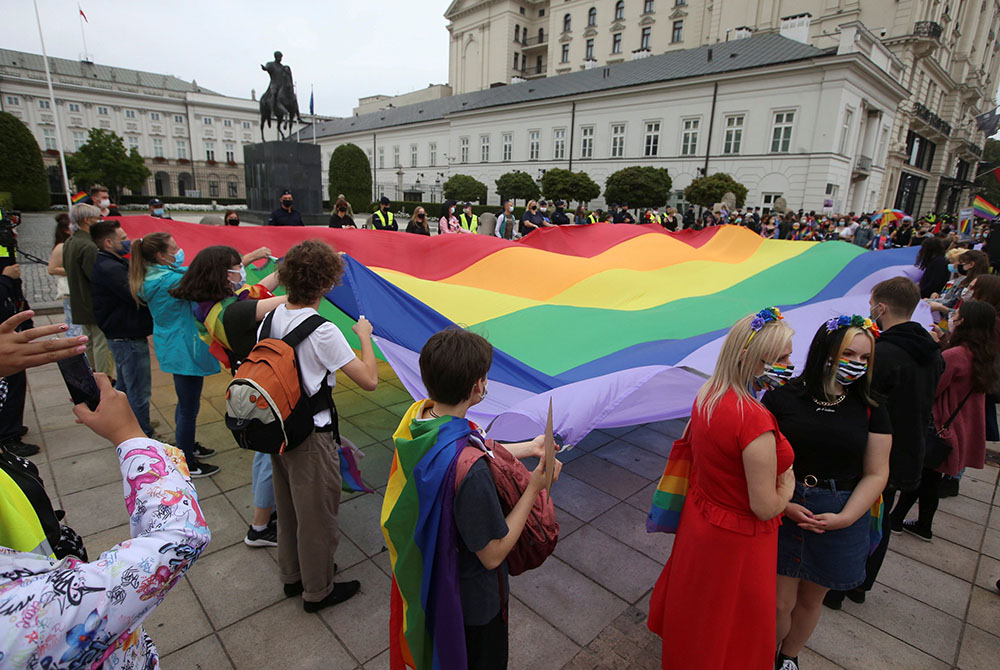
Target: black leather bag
(937,448)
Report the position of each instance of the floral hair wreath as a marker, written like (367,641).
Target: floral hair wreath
(762,318)
(856,321)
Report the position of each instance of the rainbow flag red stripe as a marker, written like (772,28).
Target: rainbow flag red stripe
(79,197)
(984,209)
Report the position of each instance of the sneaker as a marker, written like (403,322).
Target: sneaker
(261,538)
(19,448)
(783,662)
(342,591)
(202,451)
(202,470)
(912,528)
(833,600)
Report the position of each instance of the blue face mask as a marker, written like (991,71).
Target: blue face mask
(951,268)
(178,258)
(126,248)
(158,211)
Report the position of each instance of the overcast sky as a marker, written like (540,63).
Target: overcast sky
(346,49)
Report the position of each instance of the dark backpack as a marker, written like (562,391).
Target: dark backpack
(267,408)
(541,530)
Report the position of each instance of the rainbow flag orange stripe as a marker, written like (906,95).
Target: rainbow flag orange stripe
(984,209)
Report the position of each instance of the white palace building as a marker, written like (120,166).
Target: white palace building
(782,117)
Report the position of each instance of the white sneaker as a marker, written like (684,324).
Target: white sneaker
(789,664)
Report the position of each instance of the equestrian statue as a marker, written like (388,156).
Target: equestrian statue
(279,101)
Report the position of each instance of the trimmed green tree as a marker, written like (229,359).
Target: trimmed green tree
(104,160)
(22,173)
(517,186)
(350,175)
(639,186)
(462,187)
(706,191)
(560,184)
(586,189)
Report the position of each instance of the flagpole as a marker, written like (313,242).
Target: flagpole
(55,112)
(83,34)
(312,112)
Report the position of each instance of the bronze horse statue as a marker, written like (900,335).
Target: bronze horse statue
(279,101)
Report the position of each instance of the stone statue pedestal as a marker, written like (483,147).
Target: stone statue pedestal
(271,167)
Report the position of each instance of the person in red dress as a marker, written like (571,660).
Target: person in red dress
(714,602)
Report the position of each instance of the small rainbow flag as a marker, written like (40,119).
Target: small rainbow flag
(80,197)
(984,209)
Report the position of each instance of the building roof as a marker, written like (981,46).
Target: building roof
(100,73)
(752,52)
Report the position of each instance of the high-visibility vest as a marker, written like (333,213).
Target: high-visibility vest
(20,528)
(473,226)
(385,224)
(593,219)
(655,218)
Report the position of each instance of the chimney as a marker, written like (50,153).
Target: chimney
(710,54)
(796,27)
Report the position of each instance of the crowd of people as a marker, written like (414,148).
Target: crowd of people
(797,481)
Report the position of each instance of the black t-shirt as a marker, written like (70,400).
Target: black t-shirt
(480,520)
(829,442)
(240,323)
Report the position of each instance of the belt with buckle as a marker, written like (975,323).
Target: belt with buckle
(812,481)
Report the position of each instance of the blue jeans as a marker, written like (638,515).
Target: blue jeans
(188,389)
(132,366)
(262,484)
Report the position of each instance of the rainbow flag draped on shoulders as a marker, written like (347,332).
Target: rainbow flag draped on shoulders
(426,629)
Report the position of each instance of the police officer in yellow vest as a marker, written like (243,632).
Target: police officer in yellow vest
(595,216)
(383,218)
(653,216)
(468,220)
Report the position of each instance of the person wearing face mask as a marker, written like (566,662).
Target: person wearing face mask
(156,266)
(543,209)
(449,223)
(285,215)
(99,198)
(383,219)
(156,209)
(341,218)
(505,221)
(532,219)
(228,312)
(713,604)
(79,256)
(841,437)
(125,323)
(864,233)
(967,266)
(418,222)
(231,217)
(906,378)
(970,372)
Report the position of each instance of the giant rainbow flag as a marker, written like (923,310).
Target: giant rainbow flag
(617,324)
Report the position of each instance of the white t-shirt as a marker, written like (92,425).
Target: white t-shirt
(322,353)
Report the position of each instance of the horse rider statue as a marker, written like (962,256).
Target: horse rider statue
(279,101)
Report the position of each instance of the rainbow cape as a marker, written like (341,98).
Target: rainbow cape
(426,628)
(617,324)
(209,314)
(984,209)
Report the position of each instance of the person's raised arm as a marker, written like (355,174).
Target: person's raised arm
(768,492)
(267,305)
(363,371)
(256,255)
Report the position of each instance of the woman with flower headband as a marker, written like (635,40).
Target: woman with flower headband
(841,437)
(713,604)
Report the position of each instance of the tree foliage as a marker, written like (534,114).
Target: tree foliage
(22,172)
(987,184)
(104,160)
(350,175)
(517,186)
(464,188)
(560,184)
(706,191)
(639,186)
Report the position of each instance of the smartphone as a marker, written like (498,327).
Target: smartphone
(80,381)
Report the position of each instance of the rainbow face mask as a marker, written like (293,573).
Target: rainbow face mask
(775,375)
(849,372)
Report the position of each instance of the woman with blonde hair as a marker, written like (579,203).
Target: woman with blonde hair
(841,437)
(714,602)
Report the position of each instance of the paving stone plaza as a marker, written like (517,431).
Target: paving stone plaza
(935,605)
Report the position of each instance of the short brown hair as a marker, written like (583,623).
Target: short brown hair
(97,188)
(987,289)
(451,362)
(309,270)
(899,294)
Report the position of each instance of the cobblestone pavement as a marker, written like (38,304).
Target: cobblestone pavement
(935,605)
(35,235)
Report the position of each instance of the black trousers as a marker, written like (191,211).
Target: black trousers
(12,411)
(928,494)
(486,645)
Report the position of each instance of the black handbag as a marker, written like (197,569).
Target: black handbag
(937,448)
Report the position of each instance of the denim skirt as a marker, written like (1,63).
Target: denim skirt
(834,559)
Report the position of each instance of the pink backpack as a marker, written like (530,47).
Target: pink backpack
(541,531)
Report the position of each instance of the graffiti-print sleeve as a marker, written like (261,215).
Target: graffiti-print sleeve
(70,614)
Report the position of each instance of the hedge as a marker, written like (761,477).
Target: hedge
(22,173)
(6,200)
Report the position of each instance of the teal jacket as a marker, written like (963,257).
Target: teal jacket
(179,349)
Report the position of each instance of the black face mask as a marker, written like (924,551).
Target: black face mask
(420,216)
(341,209)
(286,203)
(233,222)
(960,270)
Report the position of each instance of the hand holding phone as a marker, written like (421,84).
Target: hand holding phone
(80,381)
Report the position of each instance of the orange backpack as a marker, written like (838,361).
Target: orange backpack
(541,530)
(267,408)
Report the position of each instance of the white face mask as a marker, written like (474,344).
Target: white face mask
(103,203)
